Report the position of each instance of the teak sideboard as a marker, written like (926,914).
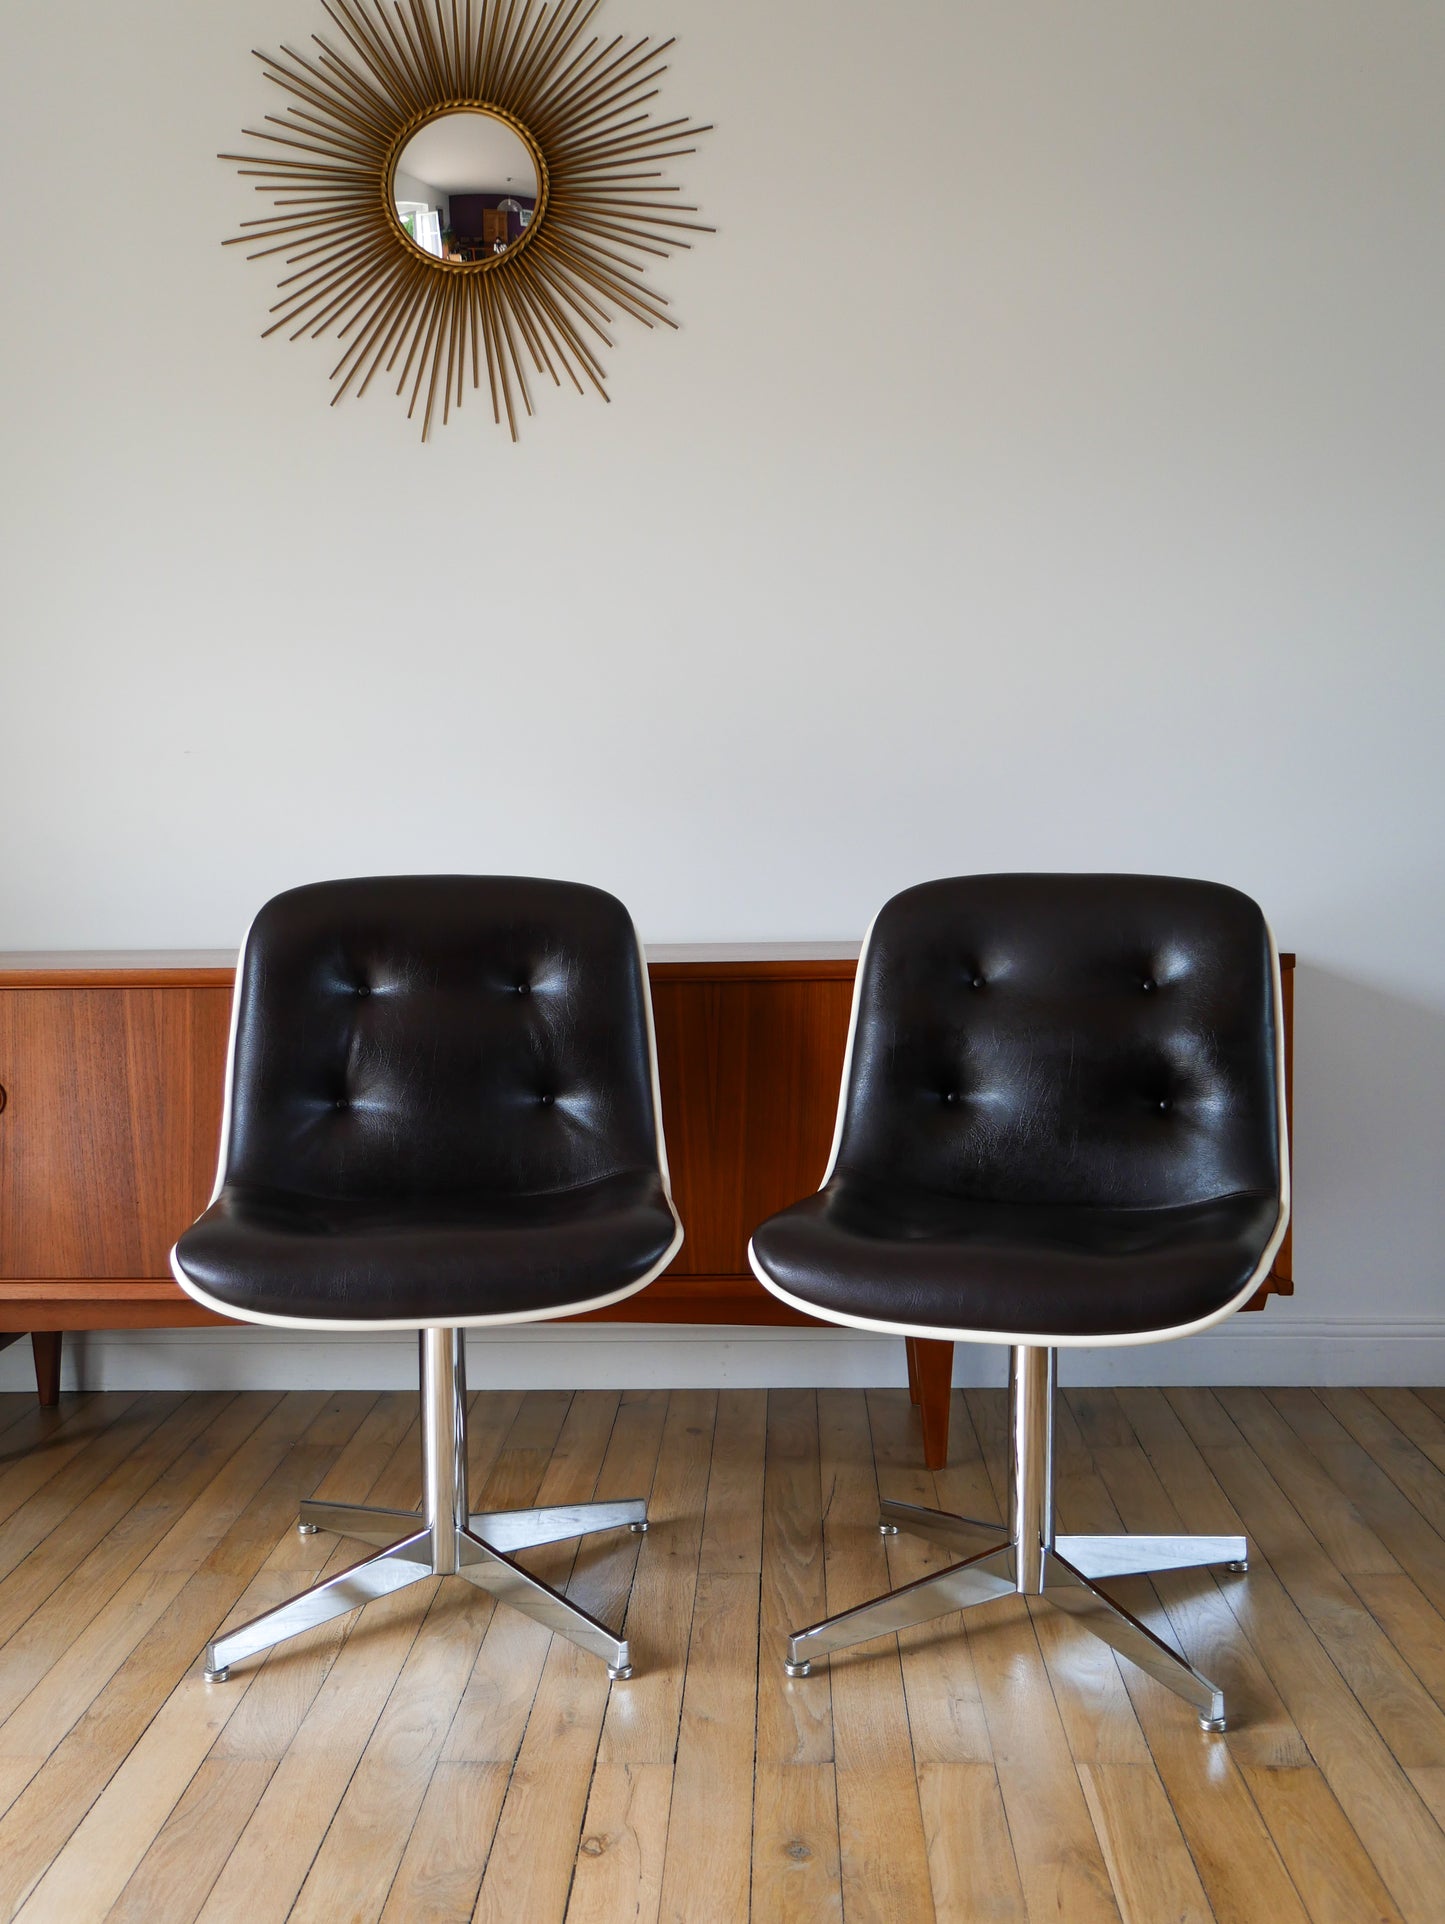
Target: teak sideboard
(111,1073)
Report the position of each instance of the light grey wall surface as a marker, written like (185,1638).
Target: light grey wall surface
(1047,472)
(407,187)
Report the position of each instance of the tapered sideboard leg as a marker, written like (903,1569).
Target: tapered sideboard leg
(46,1345)
(930,1373)
(910,1350)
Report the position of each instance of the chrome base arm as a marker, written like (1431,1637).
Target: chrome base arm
(963,1533)
(508,1582)
(1070,1590)
(357,1520)
(1141,1556)
(509,1530)
(979,1579)
(502,1529)
(407,1561)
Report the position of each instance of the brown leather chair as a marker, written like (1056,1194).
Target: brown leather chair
(441,1113)
(1061,1125)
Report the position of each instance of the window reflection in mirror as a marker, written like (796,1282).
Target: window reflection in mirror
(465,187)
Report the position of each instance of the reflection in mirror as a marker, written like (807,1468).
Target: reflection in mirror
(465,186)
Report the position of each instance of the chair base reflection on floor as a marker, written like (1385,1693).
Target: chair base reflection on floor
(444,1538)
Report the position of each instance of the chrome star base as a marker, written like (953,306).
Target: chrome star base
(1032,1560)
(444,1538)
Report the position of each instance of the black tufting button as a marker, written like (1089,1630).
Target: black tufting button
(342,1103)
(950,1096)
(546,1101)
(1164,1103)
(1148,984)
(977,982)
(524,988)
(363,990)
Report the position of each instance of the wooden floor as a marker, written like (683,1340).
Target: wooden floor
(436,1758)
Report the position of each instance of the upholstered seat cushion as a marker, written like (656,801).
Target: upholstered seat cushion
(885,1254)
(278,1253)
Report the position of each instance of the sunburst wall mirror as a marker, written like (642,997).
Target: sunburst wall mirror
(463,187)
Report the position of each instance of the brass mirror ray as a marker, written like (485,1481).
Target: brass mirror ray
(546,289)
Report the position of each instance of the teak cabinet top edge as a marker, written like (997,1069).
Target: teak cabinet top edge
(667,962)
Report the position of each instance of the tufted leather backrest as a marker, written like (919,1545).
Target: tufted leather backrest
(404,1037)
(1078,1039)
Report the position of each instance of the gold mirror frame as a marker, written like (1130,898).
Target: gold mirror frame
(577,104)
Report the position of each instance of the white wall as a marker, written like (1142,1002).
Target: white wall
(1048,472)
(407,187)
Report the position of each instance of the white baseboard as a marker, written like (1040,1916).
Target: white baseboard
(1278,1347)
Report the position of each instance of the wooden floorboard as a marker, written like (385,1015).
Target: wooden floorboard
(439,1758)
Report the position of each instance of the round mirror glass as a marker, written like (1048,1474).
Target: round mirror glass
(465,187)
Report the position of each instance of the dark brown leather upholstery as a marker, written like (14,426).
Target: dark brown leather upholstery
(1061,1116)
(441,1107)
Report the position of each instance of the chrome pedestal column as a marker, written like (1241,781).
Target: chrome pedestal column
(1031,1560)
(444,1538)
